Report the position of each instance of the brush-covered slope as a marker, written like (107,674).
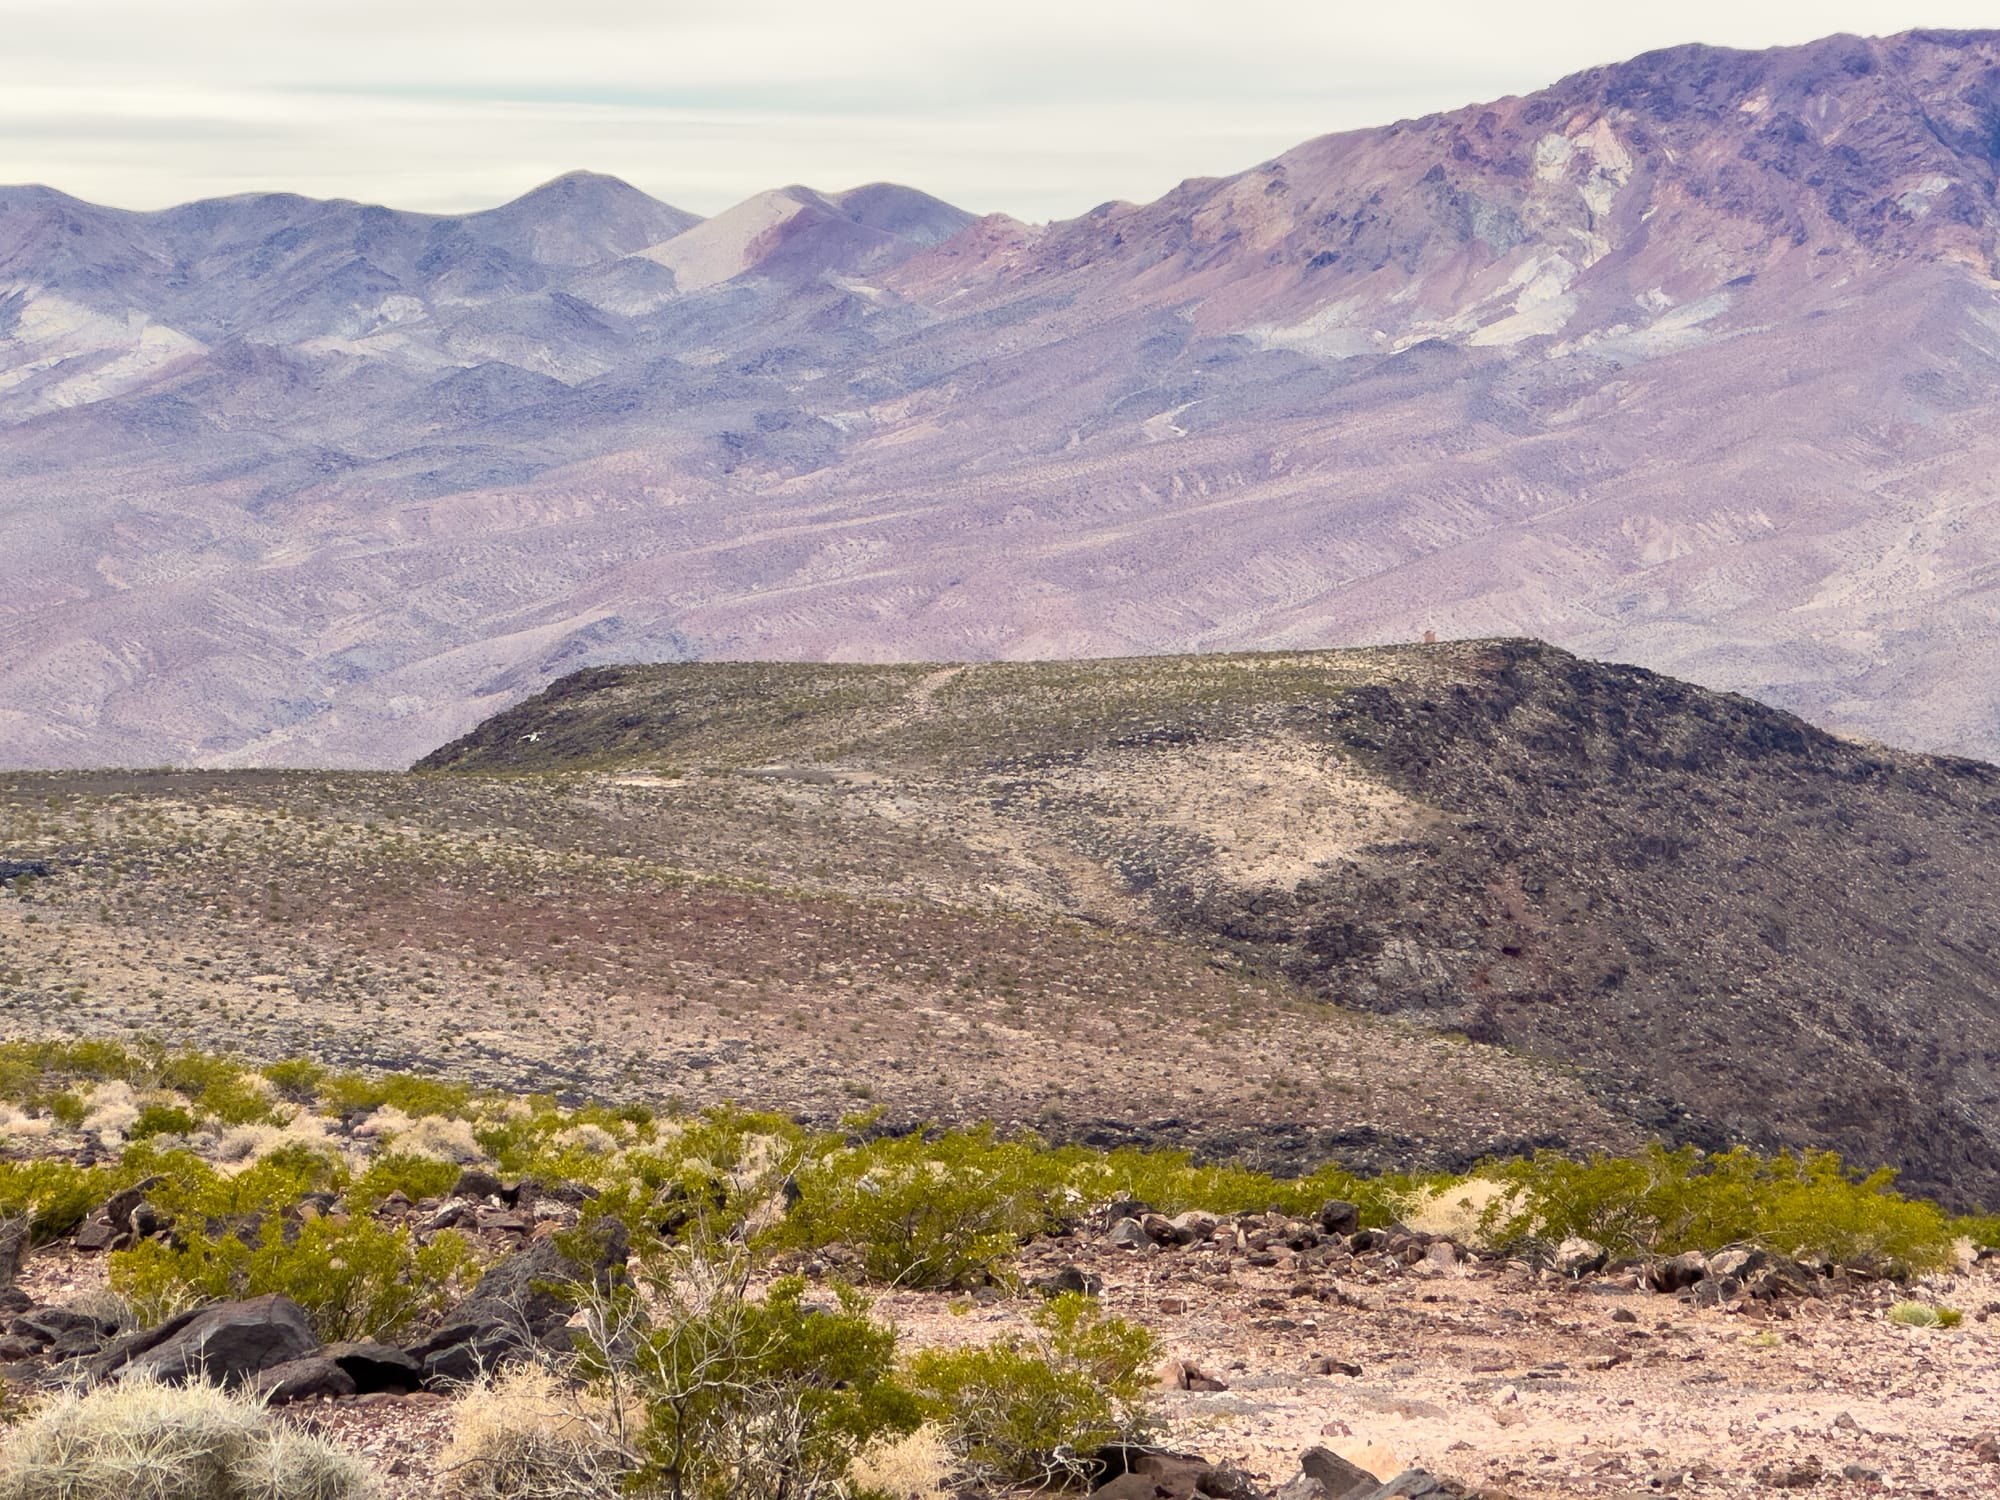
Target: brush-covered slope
(1692,360)
(1789,936)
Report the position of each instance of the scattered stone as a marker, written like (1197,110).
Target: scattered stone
(1576,1258)
(1861,1473)
(1179,1375)
(1069,1279)
(1678,1272)
(1800,1476)
(1339,1217)
(476,1183)
(1127,1234)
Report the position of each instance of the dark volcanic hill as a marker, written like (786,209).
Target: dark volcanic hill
(1693,361)
(1743,927)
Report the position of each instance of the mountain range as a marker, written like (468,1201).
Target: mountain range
(1691,361)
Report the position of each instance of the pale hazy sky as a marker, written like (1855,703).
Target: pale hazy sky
(1039,108)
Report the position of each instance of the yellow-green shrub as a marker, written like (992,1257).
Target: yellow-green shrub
(1032,1411)
(1668,1201)
(354,1278)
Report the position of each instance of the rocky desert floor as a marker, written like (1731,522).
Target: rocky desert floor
(1501,1380)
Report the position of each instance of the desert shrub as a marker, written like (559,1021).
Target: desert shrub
(138,1440)
(746,1398)
(355,1279)
(523,1435)
(160,1119)
(55,1195)
(69,1107)
(941,1212)
(909,1466)
(297,1079)
(439,1138)
(1033,1411)
(1668,1201)
(415,1177)
(1983,1230)
(348,1093)
(191,1191)
(1172,1181)
(239,1099)
(1925,1315)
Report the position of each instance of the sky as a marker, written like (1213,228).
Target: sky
(1037,108)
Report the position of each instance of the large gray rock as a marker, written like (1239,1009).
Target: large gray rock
(228,1343)
(1335,1477)
(523,1301)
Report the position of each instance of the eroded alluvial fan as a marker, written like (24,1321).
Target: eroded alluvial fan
(1743,927)
(1690,360)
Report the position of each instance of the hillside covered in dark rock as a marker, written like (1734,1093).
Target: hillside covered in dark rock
(1743,928)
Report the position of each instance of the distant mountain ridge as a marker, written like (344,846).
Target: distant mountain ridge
(1692,360)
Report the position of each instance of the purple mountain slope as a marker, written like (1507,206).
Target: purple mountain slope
(1692,361)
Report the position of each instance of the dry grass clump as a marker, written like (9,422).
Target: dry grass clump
(916,1466)
(18,1125)
(114,1108)
(433,1136)
(247,1144)
(140,1440)
(1462,1211)
(523,1436)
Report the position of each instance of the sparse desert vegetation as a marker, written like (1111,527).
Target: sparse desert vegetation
(748,1327)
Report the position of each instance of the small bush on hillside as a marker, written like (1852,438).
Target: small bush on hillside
(297,1079)
(415,1177)
(745,1398)
(160,1119)
(1925,1315)
(355,1279)
(138,1440)
(912,1466)
(929,1213)
(1034,1411)
(1983,1230)
(55,1196)
(192,1192)
(351,1093)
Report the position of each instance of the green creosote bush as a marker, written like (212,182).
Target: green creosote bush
(69,1108)
(745,1398)
(943,1212)
(297,1079)
(55,1195)
(1665,1202)
(415,1177)
(139,1440)
(160,1119)
(349,1093)
(355,1279)
(1983,1230)
(1033,1411)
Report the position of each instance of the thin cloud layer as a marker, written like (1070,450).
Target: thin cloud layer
(1037,109)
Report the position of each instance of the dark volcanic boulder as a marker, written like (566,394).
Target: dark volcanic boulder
(524,1300)
(311,1378)
(227,1343)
